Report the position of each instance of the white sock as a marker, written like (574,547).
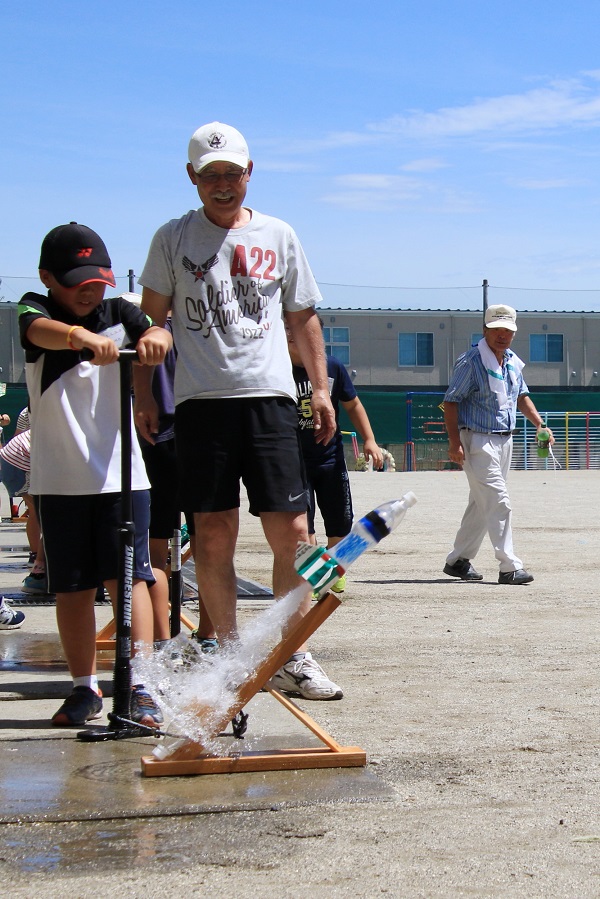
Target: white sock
(90,681)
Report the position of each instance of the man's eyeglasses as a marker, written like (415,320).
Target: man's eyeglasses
(215,177)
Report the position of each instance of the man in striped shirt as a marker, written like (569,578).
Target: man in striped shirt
(480,408)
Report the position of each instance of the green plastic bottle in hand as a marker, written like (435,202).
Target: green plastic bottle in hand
(543,443)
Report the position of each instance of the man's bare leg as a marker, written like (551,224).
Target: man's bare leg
(283,530)
(301,675)
(216,537)
(206,630)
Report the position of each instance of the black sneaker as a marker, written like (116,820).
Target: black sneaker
(515,577)
(82,705)
(463,569)
(143,708)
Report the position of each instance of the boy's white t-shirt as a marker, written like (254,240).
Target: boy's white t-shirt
(75,407)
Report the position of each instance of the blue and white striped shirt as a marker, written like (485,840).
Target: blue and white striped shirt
(477,404)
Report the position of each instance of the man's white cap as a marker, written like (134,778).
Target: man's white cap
(133,298)
(501,317)
(217,142)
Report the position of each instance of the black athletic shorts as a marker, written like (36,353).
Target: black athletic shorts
(255,439)
(81,539)
(161,467)
(331,486)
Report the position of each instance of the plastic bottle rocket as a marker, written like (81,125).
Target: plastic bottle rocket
(321,567)
(543,443)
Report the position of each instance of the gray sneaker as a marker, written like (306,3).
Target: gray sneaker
(143,708)
(306,679)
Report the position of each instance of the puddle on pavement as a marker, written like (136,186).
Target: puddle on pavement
(85,846)
(34,653)
(230,834)
(129,845)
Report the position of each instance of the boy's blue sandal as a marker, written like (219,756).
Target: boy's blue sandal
(82,705)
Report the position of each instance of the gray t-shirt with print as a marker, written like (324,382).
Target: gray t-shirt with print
(229,290)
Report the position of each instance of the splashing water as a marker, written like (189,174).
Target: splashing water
(180,677)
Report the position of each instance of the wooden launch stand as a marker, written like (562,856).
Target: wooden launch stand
(105,638)
(191,757)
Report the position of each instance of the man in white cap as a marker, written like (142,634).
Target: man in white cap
(480,406)
(230,274)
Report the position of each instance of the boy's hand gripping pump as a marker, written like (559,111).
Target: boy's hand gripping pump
(322,567)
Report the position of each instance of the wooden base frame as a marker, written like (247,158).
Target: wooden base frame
(330,755)
(191,758)
(105,638)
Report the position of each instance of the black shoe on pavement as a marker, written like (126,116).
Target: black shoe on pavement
(463,569)
(82,705)
(515,577)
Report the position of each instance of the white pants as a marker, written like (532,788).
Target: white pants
(486,465)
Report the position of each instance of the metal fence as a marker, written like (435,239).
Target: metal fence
(577,446)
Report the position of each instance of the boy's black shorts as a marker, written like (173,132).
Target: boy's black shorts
(81,539)
(220,441)
(331,486)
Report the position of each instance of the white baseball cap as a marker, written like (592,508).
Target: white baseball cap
(501,317)
(217,142)
(135,298)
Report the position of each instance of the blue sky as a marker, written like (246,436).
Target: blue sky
(416,147)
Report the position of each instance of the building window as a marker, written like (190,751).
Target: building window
(546,348)
(415,349)
(337,343)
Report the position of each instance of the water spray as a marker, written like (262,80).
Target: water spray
(202,699)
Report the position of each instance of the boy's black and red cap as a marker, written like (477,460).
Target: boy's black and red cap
(76,255)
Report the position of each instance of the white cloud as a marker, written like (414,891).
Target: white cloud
(562,104)
(287,165)
(559,106)
(424,165)
(395,183)
(376,192)
(545,184)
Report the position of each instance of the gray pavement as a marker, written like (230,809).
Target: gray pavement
(477,705)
